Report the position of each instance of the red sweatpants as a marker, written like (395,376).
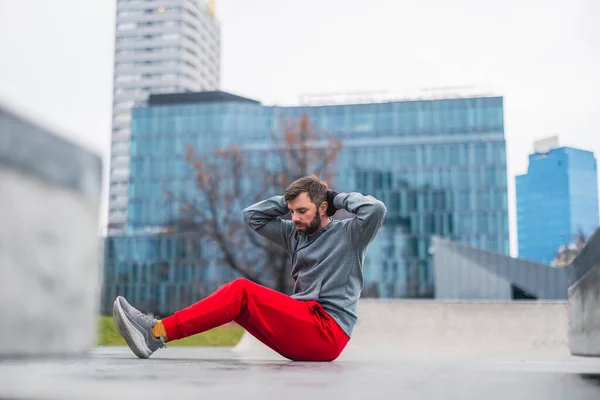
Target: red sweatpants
(297,330)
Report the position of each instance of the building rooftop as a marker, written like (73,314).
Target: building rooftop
(319,100)
(196,98)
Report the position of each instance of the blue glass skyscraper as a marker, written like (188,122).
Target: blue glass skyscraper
(438,165)
(557,199)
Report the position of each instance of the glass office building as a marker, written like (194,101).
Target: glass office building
(439,165)
(556,200)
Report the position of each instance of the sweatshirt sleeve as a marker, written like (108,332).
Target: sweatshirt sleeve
(370,214)
(265,219)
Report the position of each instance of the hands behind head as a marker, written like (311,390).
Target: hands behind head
(331,209)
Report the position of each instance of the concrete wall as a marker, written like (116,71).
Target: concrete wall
(468,263)
(588,258)
(457,277)
(388,329)
(49,248)
(584,310)
(584,300)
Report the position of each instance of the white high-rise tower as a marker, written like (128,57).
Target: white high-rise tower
(161,46)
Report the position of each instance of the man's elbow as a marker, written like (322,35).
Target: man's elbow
(247,214)
(375,212)
(379,208)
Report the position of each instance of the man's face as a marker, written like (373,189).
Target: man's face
(305,214)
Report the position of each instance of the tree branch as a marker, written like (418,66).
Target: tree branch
(221,181)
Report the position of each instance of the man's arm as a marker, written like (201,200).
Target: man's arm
(264,218)
(370,214)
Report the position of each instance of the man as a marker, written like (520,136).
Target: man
(316,322)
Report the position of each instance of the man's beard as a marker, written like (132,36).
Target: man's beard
(312,227)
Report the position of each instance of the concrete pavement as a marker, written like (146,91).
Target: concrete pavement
(400,349)
(205,373)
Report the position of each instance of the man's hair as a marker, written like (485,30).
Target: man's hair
(315,187)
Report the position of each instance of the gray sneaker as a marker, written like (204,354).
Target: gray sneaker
(136,328)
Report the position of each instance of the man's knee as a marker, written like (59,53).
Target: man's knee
(242,289)
(240,284)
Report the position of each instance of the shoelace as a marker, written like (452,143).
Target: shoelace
(147,318)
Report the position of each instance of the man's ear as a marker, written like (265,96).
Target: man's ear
(323,208)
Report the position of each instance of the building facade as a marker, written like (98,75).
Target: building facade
(159,273)
(466,273)
(160,47)
(439,166)
(557,199)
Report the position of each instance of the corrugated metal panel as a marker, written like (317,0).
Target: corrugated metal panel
(472,268)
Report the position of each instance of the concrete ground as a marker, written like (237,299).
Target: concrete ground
(209,373)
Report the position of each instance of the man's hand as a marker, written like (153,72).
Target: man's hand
(330,207)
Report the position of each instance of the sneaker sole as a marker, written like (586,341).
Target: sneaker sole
(134,338)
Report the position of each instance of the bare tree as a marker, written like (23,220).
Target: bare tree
(230,179)
(567,252)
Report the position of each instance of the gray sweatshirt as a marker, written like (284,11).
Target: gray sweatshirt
(327,267)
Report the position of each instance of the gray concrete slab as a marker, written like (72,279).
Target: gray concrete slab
(584,300)
(393,329)
(49,246)
(202,373)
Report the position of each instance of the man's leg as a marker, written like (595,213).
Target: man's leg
(297,330)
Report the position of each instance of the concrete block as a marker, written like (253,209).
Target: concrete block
(584,314)
(392,329)
(49,247)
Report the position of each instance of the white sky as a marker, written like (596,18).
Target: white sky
(56,60)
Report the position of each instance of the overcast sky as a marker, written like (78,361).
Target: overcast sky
(56,60)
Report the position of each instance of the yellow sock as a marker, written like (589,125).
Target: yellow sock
(159,330)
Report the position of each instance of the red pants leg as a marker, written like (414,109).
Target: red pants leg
(297,330)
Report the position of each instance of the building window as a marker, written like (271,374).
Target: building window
(128,78)
(126,26)
(123,117)
(125,104)
(129,13)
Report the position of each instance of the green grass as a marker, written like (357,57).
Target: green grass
(224,336)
